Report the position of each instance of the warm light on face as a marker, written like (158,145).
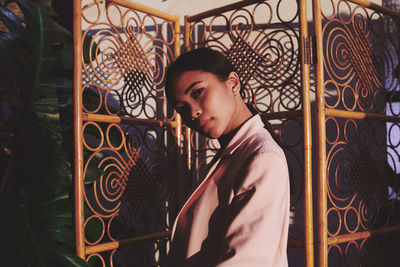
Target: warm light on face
(206,104)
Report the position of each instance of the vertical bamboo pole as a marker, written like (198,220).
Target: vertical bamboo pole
(187,34)
(187,129)
(321,143)
(305,82)
(176,54)
(177,50)
(78,147)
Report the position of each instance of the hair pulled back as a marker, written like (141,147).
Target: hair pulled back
(203,59)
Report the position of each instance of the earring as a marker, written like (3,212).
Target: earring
(235,92)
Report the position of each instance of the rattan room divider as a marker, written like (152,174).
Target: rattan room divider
(135,163)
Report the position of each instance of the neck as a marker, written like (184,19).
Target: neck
(224,139)
(244,115)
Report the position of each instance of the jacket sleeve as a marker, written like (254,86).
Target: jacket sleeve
(257,225)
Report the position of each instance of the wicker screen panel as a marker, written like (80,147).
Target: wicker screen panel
(263,44)
(360,60)
(129,136)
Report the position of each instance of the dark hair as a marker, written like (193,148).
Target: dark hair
(204,59)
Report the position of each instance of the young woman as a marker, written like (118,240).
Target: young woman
(239,215)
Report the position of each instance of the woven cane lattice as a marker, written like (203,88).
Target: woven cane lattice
(131,57)
(244,59)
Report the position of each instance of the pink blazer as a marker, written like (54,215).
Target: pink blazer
(239,215)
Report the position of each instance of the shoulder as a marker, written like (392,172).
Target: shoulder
(263,163)
(261,145)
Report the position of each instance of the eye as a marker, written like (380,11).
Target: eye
(183,110)
(179,109)
(197,92)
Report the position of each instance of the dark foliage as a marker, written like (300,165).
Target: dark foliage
(36,93)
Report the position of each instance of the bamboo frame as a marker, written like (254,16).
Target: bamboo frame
(116,244)
(360,115)
(187,129)
(320,136)
(321,113)
(145,9)
(378,8)
(78,135)
(362,235)
(178,121)
(307,142)
(128,120)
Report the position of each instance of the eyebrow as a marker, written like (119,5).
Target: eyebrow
(191,86)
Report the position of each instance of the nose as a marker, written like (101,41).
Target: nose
(195,111)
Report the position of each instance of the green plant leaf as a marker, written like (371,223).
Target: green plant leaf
(66,257)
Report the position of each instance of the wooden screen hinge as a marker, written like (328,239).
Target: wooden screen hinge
(309,50)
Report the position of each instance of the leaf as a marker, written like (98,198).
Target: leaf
(35,79)
(67,257)
(10,210)
(86,49)
(93,172)
(38,227)
(57,234)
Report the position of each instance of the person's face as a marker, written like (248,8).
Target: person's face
(206,104)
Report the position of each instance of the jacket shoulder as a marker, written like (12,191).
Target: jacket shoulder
(262,142)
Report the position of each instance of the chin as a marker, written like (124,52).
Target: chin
(212,135)
(209,134)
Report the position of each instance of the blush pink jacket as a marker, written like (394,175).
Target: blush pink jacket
(239,215)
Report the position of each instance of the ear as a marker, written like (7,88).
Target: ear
(233,82)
